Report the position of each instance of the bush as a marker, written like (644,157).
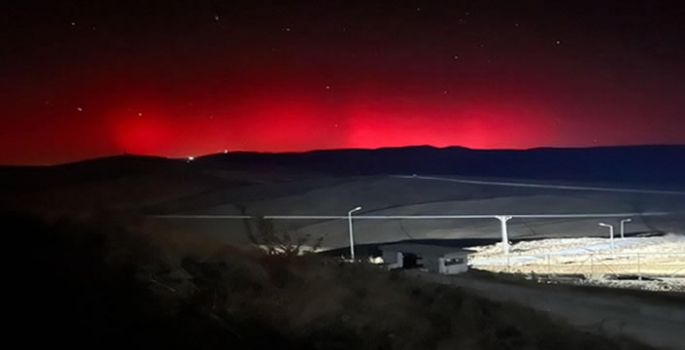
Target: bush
(280,243)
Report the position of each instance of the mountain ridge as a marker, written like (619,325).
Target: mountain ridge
(648,164)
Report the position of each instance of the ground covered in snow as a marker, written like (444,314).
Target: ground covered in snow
(654,263)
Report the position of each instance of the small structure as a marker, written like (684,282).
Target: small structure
(434,258)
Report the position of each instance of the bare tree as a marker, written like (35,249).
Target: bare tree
(279,243)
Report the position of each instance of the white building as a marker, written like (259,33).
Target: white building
(434,258)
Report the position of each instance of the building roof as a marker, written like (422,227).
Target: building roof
(426,250)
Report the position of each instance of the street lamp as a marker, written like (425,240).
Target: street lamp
(611,233)
(505,234)
(623,224)
(349,219)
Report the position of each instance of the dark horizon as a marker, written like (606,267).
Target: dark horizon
(342,150)
(657,166)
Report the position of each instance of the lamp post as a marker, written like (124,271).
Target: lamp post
(505,234)
(611,233)
(623,224)
(349,219)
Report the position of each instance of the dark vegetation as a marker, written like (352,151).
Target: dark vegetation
(106,282)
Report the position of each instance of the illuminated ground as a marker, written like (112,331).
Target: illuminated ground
(382,195)
(654,263)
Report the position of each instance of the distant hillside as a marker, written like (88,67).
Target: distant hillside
(653,165)
(134,182)
(630,164)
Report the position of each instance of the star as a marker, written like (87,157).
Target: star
(216,17)
(79,109)
(558,42)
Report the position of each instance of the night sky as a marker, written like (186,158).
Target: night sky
(80,79)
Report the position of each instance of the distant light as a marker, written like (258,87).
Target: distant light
(225,151)
(190,159)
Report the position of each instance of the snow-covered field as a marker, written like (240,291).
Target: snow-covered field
(652,263)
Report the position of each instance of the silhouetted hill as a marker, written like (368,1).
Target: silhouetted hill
(654,165)
(37,178)
(648,165)
(112,182)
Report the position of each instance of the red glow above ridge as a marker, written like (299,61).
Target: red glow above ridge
(294,121)
(140,131)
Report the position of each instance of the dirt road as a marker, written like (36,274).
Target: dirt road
(659,324)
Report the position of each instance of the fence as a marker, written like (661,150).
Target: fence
(591,265)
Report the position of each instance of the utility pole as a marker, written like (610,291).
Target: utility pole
(505,234)
(623,224)
(349,219)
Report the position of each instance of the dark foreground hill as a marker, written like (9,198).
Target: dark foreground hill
(655,165)
(103,284)
(125,182)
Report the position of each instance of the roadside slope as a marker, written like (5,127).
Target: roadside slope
(660,325)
